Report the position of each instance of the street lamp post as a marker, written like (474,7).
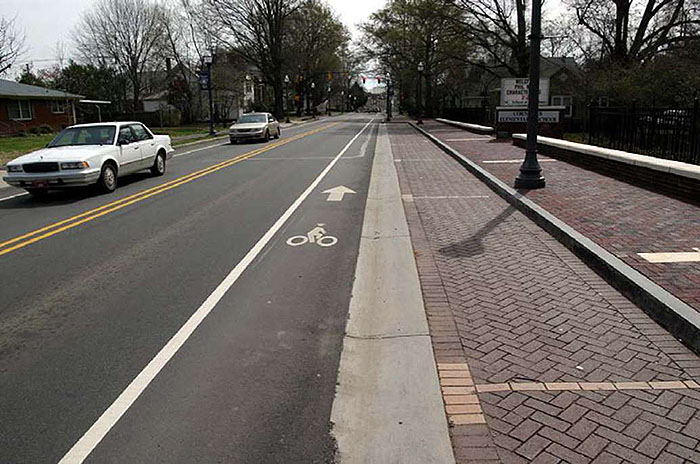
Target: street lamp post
(208,60)
(310,98)
(286,95)
(388,97)
(328,100)
(530,176)
(421,68)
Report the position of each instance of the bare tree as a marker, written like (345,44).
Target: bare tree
(256,30)
(126,33)
(498,29)
(11,44)
(636,33)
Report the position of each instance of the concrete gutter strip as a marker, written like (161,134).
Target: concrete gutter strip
(467,126)
(388,406)
(675,315)
(673,167)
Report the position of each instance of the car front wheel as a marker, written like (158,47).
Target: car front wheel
(158,168)
(267,136)
(279,133)
(107,182)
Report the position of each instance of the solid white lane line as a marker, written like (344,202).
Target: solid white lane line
(14,196)
(84,446)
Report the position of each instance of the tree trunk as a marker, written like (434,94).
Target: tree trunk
(622,11)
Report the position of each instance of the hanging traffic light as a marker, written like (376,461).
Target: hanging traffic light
(364,80)
(379,80)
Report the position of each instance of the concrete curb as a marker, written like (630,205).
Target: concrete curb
(388,406)
(673,314)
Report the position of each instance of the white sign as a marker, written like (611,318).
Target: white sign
(316,235)
(337,194)
(514,91)
(521,116)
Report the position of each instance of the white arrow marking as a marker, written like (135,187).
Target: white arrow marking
(337,193)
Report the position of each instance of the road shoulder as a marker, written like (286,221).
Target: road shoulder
(388,406)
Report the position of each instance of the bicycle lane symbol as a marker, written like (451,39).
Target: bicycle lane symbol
(317,236)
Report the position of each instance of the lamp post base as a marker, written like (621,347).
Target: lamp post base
(529,183)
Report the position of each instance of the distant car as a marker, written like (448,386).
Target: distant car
(252,126)
(91,154)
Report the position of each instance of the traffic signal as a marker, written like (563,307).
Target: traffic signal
(379,80)
(364,80)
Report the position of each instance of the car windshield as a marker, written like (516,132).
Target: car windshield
(90,135)
(252,118)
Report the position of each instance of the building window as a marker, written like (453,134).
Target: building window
(564,100)
(19,110)
(58,107)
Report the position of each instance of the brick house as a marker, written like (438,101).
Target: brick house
(23,107)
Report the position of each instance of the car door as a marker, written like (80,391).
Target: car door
(147,144)
(130,156)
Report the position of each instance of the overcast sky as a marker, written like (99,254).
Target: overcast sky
(48,22)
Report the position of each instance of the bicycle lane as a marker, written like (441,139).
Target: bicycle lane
(256,380)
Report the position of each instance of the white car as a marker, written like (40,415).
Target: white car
(255,126)
(90,154)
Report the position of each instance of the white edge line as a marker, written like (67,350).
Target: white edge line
(14,196)
(84,446)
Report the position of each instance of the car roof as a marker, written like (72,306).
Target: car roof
(110,123)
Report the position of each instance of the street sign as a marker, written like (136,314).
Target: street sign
(514,91)
(204,79)
(337,193)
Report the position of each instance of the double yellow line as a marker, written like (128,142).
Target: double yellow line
(22,241)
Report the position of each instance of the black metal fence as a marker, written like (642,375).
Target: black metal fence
(669,133)
(479,115)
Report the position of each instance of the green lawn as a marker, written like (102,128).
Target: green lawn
(12,147)
(182,130)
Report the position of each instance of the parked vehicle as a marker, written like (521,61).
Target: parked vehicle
(253,126)
(91,154)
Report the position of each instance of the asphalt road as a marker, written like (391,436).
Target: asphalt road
(97,290)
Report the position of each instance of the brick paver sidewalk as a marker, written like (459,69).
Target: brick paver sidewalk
(622,218)
(540,360)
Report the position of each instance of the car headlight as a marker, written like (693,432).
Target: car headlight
(77,165)
(14,168)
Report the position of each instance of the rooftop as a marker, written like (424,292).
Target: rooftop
(15,89)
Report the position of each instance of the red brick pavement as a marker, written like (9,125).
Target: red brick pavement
(519,308)
(622,218)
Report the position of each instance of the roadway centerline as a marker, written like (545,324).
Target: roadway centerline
(94,435)
(24,240)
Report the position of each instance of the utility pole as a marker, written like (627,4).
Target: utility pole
(530,176)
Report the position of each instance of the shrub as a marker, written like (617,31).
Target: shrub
(45,129)
(34,130)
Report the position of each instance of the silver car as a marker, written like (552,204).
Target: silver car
(255,126)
